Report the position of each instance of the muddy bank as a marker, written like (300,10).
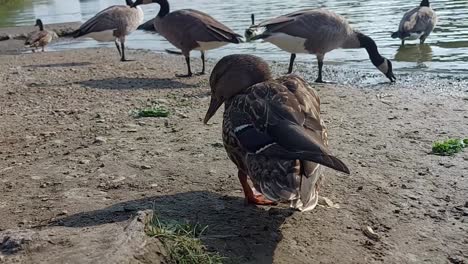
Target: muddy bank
(73,155)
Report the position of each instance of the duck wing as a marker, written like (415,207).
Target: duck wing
(280,128)
(35,37)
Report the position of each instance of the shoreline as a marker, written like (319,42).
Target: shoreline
(74,158)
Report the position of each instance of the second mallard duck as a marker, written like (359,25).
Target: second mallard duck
(40,38)
(272,131)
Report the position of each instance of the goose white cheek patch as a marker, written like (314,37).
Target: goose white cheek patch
(383,67)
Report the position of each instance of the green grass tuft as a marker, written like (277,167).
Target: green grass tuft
(449,146)
(182,242)
(153,112)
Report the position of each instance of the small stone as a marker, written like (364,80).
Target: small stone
(64,212)
(217,145)
(326,202)
(154,185)
(182,115)
(146,167)
(100,140)
(466,204)
(85,161)
(369,232)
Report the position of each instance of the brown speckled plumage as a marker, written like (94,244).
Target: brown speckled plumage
(40,38)
(273,132)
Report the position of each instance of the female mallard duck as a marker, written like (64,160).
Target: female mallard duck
(272,131)
(40,38)
(316,31)
(416,23)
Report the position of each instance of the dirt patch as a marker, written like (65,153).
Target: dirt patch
(73,155)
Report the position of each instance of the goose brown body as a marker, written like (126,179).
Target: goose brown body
(418,22)
(189,29)
(316,31)
(272,130)
(113,24)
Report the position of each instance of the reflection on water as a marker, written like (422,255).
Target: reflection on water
(446,49)
(415,53)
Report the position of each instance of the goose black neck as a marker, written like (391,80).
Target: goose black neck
(41,26)
(424,3)
(129,2)
(371,48)
(164,10)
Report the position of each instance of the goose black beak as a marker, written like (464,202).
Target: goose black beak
(390,76)
(214,106)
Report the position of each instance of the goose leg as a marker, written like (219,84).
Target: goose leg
(122,44)
(291,62)
(320,66)
(402,42)
(189,70)
(250,197)
(422,39)
(118,47)
(203,63)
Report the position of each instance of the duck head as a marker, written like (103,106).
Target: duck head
(231,76)
(39,24)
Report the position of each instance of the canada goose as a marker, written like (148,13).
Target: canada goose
(40,38)
(272,131)
(416,23)
(316,31)
(113,24)
(189,29)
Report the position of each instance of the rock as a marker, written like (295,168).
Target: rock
(119,244)
(326,202)
(64,212)
(218,145)
(456,260)
(146,167)
(369,232)
(85,161)
(100,140)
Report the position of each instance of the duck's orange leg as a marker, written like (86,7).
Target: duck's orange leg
(250,196)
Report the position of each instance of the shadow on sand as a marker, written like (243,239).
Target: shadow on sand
(68,64)
(124,83)
(243,234)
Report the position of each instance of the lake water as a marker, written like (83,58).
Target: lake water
(446,52)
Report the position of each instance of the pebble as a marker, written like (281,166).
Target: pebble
(146,167)
(100,140)
(85,161)
(370,233)
(64,212)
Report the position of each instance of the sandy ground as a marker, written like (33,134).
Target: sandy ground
(73,155)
